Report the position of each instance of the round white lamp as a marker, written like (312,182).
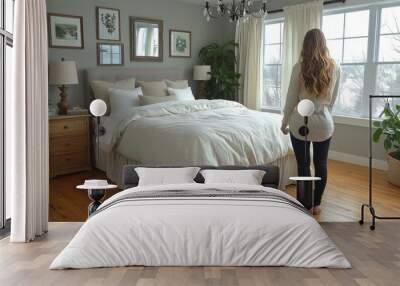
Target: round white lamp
(306,108)
(98,108)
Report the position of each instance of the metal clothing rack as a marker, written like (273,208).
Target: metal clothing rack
(370,205)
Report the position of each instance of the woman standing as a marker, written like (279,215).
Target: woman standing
(315,77)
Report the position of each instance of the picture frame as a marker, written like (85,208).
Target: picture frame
(65,31)
(108,24)
(142,31)
(180,44)
(110,54)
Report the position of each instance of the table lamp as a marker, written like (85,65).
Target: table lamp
(201,73)
(61,74)
(98,108)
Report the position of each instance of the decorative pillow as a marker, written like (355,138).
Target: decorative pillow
(178,84)
(100,88)
(153,88)
(165,176)
(181,94)
(247,177)
(121,101)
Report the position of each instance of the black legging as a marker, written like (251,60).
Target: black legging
(320,160)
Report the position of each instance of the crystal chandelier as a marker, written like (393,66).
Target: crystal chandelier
(236,10)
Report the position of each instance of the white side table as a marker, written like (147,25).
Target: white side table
(95,194)
(305,190)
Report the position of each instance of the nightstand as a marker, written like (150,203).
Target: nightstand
(69,144)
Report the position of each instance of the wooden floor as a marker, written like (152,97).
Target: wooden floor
(347,189)
(375,258)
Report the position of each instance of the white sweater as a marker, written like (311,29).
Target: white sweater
(320,124)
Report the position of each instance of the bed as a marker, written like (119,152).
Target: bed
(203,132)
(201,225)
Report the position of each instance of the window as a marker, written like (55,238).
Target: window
(347,39)
(273,35)
(6,43)
(388,64)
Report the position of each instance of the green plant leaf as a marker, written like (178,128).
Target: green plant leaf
(377,124)
(387,144)
(377,134)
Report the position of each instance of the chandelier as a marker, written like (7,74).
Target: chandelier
(236,10)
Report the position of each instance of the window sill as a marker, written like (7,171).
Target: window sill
(351,121)
(342,120)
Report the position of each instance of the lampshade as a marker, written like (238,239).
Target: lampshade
(98,107)
(201,72)
(305,107)
(63,73)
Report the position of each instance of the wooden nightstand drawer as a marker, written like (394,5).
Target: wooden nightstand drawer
(71,144)
(70,126)
(68,163)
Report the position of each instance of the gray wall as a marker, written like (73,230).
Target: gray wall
(176,15)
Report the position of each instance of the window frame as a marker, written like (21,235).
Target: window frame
(278,20)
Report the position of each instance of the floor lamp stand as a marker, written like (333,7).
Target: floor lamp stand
(370,205)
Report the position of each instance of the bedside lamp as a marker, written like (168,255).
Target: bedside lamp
(201,73)
(98,108)
(61,74)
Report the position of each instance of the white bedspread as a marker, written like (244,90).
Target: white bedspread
(201,132)
(200,231)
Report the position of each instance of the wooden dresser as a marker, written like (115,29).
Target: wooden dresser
(69,144)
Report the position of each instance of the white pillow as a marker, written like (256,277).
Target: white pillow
(166,176)
(247,177)
(100,88)
(121,101)
(181,94)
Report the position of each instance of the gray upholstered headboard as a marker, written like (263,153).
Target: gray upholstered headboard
(130,178)
(114,74)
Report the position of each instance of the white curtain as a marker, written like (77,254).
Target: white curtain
(299,19)
(249,57)
(27,124)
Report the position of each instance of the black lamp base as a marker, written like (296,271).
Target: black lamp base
(304,193)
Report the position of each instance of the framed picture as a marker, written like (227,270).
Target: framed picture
(180,44)
(108,24)
(110,54)
(146,37)
(65,31)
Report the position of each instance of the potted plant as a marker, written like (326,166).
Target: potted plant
(224,80)
(389,127)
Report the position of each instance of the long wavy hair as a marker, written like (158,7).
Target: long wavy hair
(316,63)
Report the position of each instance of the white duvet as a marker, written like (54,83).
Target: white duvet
(191,231)
(201,132)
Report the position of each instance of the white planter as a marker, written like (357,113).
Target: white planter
(393,170)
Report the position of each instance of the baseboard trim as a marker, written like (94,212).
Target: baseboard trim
(357,160)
